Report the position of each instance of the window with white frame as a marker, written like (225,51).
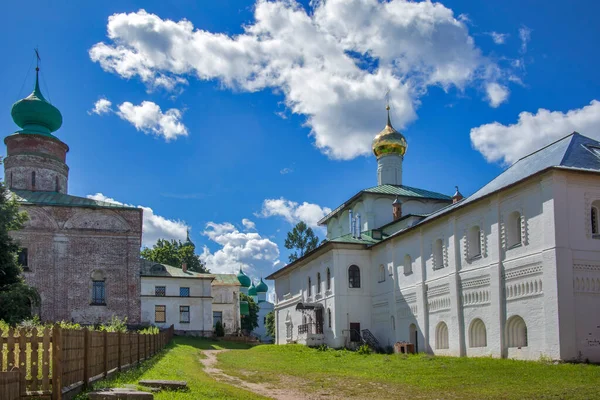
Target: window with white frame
(438,254)
(381,273)
(184,314)
(474,242)
(513,229)
(407,264)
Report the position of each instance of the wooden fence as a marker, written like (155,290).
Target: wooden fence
(53,362)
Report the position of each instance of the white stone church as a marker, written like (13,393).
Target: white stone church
(511,271)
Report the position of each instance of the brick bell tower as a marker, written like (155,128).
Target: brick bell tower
(36,159)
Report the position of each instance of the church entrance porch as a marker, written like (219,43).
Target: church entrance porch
(310,332)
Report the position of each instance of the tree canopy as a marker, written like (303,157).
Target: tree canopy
(16,297)
(302,239)
(174,253)
(270,324)
(249,322)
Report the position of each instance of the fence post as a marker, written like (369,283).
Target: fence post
(105,334)
(56,363)
(22,362)
(119,358)
(138,356)
(86,341)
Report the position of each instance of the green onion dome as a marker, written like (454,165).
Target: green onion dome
(243,279)
(34,114)
(252,290)
(262,287)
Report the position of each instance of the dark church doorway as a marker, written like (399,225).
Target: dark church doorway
(414,337)
(354,331)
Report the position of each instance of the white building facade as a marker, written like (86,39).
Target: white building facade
(172,296)
(511,271)
(226,302)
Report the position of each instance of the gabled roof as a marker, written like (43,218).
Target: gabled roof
(154,269)
(390,190)
(63,200)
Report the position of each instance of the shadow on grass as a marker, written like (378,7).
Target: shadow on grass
(210,344)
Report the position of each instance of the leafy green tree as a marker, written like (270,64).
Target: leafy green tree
(175,253)
(16,297)
(270,324)
(219,329)
(302,239)
(249,322)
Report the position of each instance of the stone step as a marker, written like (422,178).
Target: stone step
(120,394)
(163,384)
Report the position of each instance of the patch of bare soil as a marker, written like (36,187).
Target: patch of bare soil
(288,388)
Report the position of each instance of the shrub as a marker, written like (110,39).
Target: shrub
(364,349)
(151,330)
(219,330)
(322,347)
(114,325)
(388,350)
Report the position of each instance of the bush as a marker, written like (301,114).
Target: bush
(151,330)
(219,330)
(364,349)
(114,325)
(322,347)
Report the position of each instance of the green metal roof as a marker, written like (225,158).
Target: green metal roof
(35,114)
(406,191)
(226,279)
(391,190)
(365,238)
(63,200)
(151,268)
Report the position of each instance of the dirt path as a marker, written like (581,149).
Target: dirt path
(262,389)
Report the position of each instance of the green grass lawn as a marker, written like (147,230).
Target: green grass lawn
(181,361)
(379,376)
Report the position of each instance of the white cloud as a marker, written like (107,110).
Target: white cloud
(525,36)
(286,171)
(102,106)
(247,249)
(248,224)
(293,212)
(496,94)
(332,63)
(499,142)
(154,226)
(498,38)
(148,118)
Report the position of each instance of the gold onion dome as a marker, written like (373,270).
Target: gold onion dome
(389,140)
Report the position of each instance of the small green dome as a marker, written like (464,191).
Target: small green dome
(262,287)
(34,114)
(243,279)
(252,290)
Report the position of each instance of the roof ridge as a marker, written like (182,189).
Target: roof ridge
(545,147)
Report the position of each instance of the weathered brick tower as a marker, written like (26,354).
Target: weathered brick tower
(82,255)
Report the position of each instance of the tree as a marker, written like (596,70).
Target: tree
(301,238)
(16,297)
(270,324)
(175,253)
(219,329)
(249,322)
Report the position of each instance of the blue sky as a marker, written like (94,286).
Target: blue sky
(273,105)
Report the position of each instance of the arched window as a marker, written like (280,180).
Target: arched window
(381,273)
(288,326)
(318,282)
(309,290)
(438,254)
(56,184)
(393,322)
(98,288)
(407,265)
(441,336)
(516,332)
(329,317)
(513,229)
(354,276)
(477,334)
(474,242)
(328,279)
(33,180)
(595,216)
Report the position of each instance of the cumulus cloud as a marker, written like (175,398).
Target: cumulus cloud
(498,38)
(508,143)
(525,36)
(496,94)
(246,249)
(102,106)
(293,212)
(248,224)
(332,63)
(154,226)
(148,118)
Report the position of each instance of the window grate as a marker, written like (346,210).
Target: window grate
(184,292)
(160,291)
(98,292)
